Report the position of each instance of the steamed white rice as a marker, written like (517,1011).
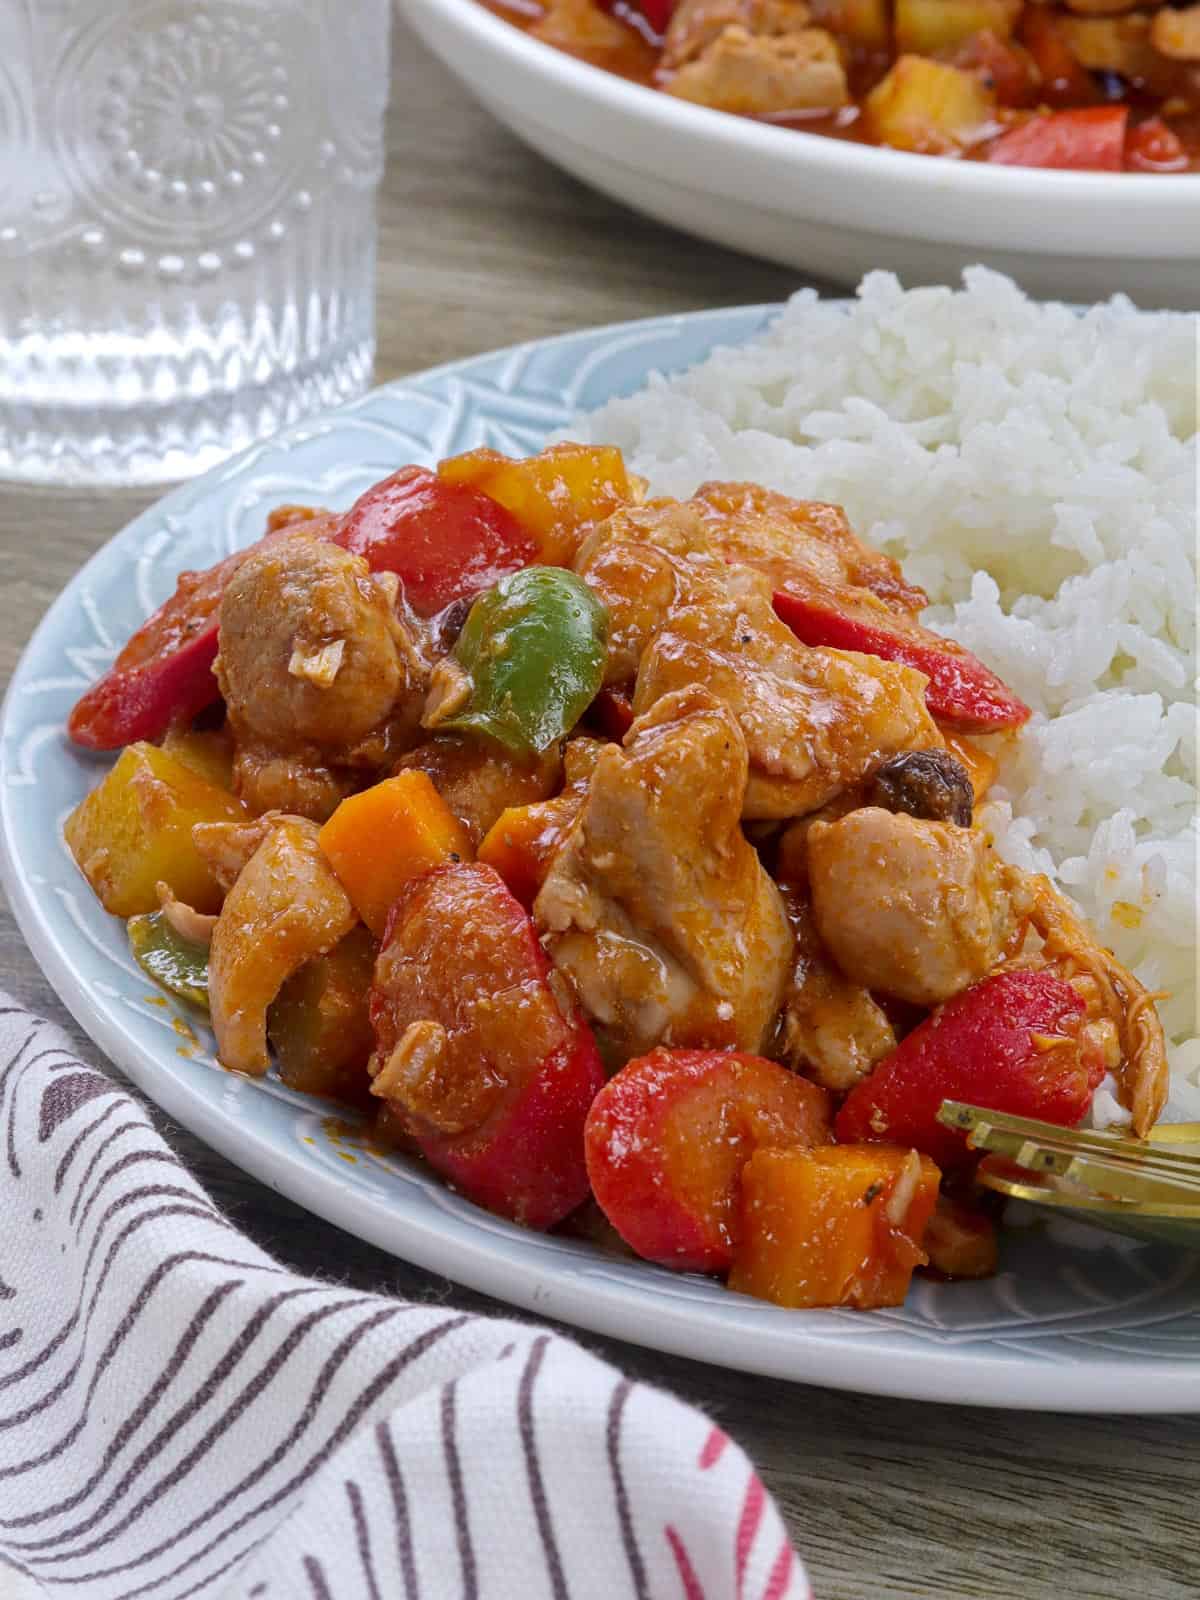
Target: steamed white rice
(1035,472)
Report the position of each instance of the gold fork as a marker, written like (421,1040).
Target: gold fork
(1146,1188)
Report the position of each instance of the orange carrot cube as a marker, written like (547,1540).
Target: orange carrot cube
(397,830)
(522,840)
(838,1225)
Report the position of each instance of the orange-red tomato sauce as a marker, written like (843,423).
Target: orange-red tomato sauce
(1163,132)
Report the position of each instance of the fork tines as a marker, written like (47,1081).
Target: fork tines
(1105,1162)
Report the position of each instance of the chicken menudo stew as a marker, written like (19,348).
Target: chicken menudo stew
(616,856)
(1092,85)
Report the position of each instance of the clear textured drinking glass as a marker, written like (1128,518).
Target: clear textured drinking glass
(187,226)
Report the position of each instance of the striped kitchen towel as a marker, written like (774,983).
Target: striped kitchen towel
(181,1416)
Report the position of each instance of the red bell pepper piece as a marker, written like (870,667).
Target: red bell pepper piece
(1088,139)
(494,1082)
(1153,147)
(667,1139)
(165,670)
(133,703)
(657,13)
(446,541)
(962,691)
(164,673)
(1010,1043)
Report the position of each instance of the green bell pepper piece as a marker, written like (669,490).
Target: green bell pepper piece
(534,650)
(171,960)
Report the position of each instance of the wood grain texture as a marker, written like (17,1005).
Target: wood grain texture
(483,244)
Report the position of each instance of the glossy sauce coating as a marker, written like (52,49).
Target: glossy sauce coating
(1161,91)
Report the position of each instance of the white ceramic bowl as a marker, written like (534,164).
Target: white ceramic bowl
(832,208)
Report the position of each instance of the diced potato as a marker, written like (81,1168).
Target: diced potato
(555,495)
(319,1027)
(927,26)
(396,830)
(1176,33)
(135,831)
(928,106)
(210,753)
(837,1225)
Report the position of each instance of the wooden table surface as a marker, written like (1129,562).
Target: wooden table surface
(484,244)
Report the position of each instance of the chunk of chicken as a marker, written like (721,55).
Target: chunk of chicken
(910,908)
(317,672)
(286,908)
(755,76)
(311,650)
(300,783)
(832,1030)
(1123,1022)
(1177,33)
(478,781)
(815,721)
(644,563)
(655,906)
(921,910)
(791,849)
(194,926)
(786,538)
(228,846)
(695,24)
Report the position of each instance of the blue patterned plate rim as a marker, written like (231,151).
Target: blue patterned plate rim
(1099,1324)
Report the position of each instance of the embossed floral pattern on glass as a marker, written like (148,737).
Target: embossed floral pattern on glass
(187,226)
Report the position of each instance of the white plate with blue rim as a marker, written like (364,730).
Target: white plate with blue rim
(1086,1323)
